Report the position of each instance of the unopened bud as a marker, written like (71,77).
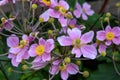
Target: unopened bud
(51,20)
(3,19)
(103,54)
(85,74)
(34,6)
(108,14)
(24,67)
(41,20)
(50,32)
(78,62)
(10,69)
(117,4)
(67,60)
(106,19)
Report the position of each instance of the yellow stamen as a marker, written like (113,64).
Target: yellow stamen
(110,35)
(63,67)
(46,2)
(40,50)
(23,43)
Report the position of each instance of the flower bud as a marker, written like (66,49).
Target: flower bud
(41,20)
(117,4)
(3,19)
(24,67)
(78,62)
(108,14)
(103,54)
(10,69)
(50,32)
(85,74)
(51,20)
(67,60)
(106,19)
(34,6)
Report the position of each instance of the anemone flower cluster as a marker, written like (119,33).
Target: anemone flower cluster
(53,36)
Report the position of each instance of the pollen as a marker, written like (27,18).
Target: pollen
(23,43)
(110,35)
(40,50)
(63,67)
(46,2)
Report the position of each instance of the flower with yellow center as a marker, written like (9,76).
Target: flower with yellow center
(76,42)
(110,35)
(46,2)
(61,9)
(63,67)
(40,50)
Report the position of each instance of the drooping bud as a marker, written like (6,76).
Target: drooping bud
(34,6)
(85,74)
(67,60)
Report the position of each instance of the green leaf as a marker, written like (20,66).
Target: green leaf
(71,3)
(105,72)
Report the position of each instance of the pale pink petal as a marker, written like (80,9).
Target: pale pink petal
(38,65)
(101,35)
(64,4)
(75,33)
(116,31)
(102,48)
(12,41)
(87,37)
(54,69)
(108,28)
(3,2)
(45,15)
(77,52)
(49,45)
(108,42)
(53,13)
(89,51)
(62,21)
(46,57)
(64,75)
(11,55)
(32,51)
(90,12)
(41,41)
(37,59)
(25,37)
(56,62)
(14,63)
(72,68)
(84,16)
(116,40)
(15,50)
(64,41)
(86,6)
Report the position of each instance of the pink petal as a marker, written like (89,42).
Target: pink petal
(64,4)
(116,31)
(46,57)
(64,41)
(116,40)
(14,63)
(89,51)
(72,68)
(37,59)
(49,45)
(89,12)
(78,11)
(108,43)
(108,28)
(53,13)
(11,55)
(56,62)
(87,37)
(64,75)
(75,33)
(45,15)
(102,48)
(62,21)
(86,6)
(84,17)
(77,52)
(12,41)
(31,51)
(41,41)
(25,37)
(101,35)
(54,70)
(15,50)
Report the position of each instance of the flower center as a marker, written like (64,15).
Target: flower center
(23,43)
(83,10)
(71,26)
(46,2)
(40,50)
(110,35)
(63,67)
(77,42)
(61,9)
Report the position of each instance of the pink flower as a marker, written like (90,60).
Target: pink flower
(18,51)
(109,35)
(83,11)
(65,69)
(80,43)
(41,50)
(3,2)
